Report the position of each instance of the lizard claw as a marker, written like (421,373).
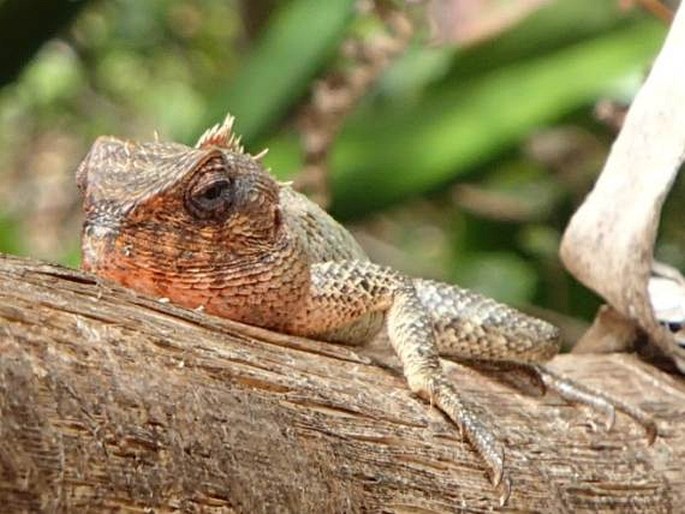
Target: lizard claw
(652,431)
(611,417)
(505,491)
(462,433)
(497,470)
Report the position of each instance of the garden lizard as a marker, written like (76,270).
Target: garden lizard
(210,227)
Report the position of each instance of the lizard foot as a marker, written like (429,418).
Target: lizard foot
(574,392)
(506,369)
(439,392)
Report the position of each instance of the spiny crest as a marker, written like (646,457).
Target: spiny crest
(222,135)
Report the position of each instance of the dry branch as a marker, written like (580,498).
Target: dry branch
(110,400)
(608,244)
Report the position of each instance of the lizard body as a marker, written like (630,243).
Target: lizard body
(209,226)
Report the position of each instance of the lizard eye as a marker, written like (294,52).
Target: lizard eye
(211,199)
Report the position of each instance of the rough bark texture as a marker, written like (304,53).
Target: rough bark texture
(109,400)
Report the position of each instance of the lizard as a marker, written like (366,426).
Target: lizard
(209,226)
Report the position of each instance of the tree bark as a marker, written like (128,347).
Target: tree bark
(109,401)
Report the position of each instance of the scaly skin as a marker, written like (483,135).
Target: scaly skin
(209,226)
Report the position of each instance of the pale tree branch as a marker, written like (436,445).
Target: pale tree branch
(609,242)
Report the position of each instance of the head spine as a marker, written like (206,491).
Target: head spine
(221,135)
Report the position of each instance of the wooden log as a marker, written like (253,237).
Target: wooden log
(109,400)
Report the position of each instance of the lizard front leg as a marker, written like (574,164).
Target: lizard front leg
(342,292)
(473,328)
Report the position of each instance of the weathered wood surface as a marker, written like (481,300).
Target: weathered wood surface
(110,401)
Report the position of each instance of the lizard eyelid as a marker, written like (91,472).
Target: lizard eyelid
(215,190)
(211,198)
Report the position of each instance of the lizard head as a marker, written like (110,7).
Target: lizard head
(158,211)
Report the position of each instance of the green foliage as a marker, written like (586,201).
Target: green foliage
(9,240)
(464,123)
(487,271)
(439,116)
(278,71)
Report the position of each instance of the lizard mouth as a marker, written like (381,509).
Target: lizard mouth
(96,241)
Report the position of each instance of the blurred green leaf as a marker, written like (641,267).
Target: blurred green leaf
(540,241)
(391,153)
(516,190)
(72,257)
(9,236)
(294,46)
(557,25)
(413,71)
(503,276)
(55,77)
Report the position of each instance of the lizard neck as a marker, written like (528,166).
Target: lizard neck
(263,287)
